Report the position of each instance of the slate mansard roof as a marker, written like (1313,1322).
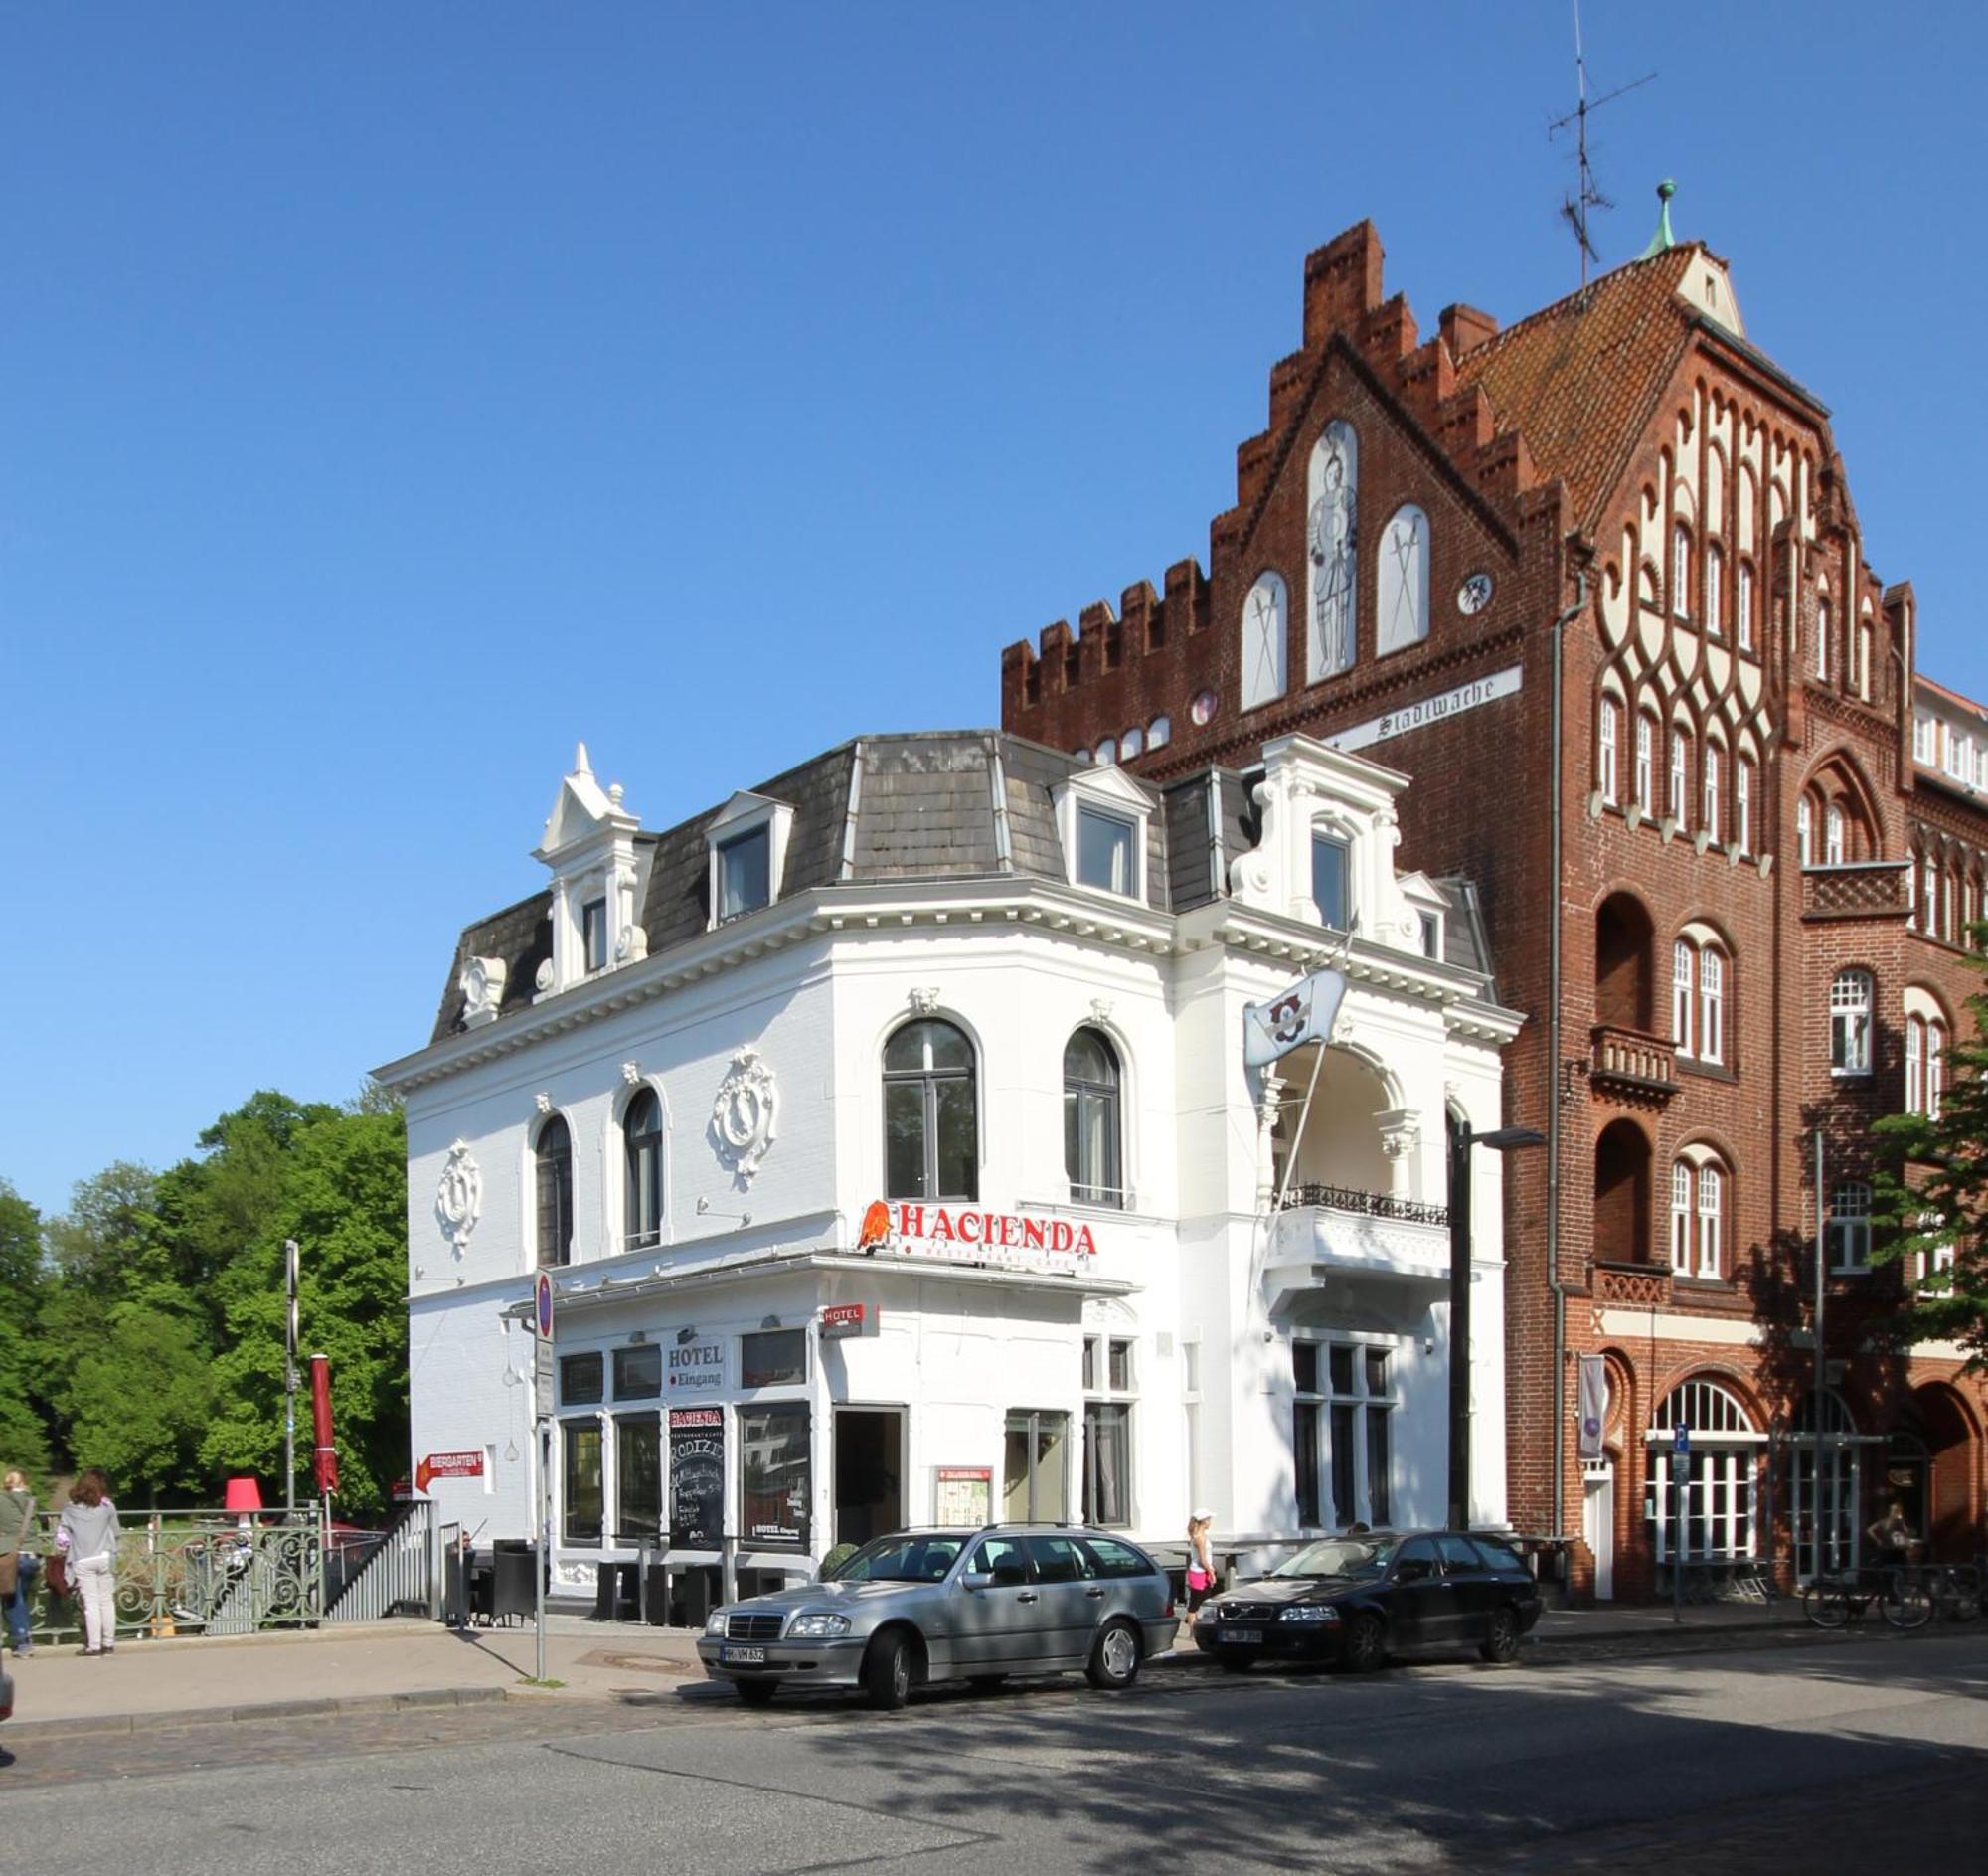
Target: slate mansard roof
(893,810)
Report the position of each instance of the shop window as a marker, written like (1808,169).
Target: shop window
(639,1372)
(1719,1485)
(1108,1430)
(775,1474)
(772,1358)
(638,1477)
(1092,1156)
(642,1139)
(1850,1023)
(931,1142)
(554,1157)
(581,1378)
(581,1500)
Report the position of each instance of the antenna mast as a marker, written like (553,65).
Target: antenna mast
(1586,194)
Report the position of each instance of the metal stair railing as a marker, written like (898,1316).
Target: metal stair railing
(399,1571)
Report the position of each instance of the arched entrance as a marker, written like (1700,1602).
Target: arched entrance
(1716,1530)
(1623,992)
(1828,1515)
(1623,1194)
(1948,1515)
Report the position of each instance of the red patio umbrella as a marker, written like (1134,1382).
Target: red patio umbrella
(324,1455)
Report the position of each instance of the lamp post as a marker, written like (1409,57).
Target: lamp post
(1461,1140)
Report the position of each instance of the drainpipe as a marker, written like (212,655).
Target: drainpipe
(1554,1284)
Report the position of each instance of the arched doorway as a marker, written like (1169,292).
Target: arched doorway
(1952,1444)
(1623,1194)
(1623,991)
(1827,1519)
(1712,1527)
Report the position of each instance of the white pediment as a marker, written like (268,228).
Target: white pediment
(1109,785)
(743,807)
(582,812)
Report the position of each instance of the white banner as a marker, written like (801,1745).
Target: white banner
(1303,1013)
(1425,710)
(1593,1404)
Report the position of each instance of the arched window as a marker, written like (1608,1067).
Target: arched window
(1849,1227)
(1107,753)
(1850,1023)
(1711,1221)
(1717,1494)
(1915,1050)
(1093,1150)
(1709,791)
(1804,832)
(1680,1216)
(1863,659)
(1710,1006)
(1742,611)
(554,1194)
(1714,594)
(1646,744)
(1610,718)
(1405,580)
(1822,638)
(1681,960)
(1159,733)
(1680,802)
(1833,829)
(1936,1084)
(931,1134)
(1912,891)
(1743,806)
(642,1140)
(1264,613)
(1681,570)
(1131,742)
(1929,883)
(1331,548)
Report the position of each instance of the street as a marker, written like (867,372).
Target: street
(1841,1753)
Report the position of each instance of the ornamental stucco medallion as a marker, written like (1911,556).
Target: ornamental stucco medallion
(743,1117)
(459,1198)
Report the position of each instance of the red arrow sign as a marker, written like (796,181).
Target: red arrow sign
(447,1466)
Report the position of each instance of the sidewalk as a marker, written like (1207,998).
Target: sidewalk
(414,1663)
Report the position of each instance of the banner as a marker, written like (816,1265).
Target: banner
(1303,1013)
(1593,1411)
(697,1478)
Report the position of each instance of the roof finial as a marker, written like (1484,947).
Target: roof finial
(1662,238)
(580,765)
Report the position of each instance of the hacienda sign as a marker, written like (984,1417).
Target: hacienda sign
(966,1235)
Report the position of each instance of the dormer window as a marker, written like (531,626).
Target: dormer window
(1105,851)
(1431,925)
(744,873)
(594,933)
(748,848)
(1101,816)
(1331,878)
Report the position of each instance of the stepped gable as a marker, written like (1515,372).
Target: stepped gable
(1576,378)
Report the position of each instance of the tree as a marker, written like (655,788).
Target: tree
(23,1431)
(1930,1198)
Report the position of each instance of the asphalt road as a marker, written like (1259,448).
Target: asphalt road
(1851,1755)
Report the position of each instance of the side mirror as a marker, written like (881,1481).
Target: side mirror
(977,1580)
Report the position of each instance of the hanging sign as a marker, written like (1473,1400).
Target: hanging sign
(840,1319)
(697,1478)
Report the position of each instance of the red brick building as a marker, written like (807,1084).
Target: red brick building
(1596,583)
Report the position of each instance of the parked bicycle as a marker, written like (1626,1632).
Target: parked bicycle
(1905,1602)
(1956,1589)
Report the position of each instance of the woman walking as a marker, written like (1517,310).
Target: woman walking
(17,1560)
(89,1527)
(1200,1564)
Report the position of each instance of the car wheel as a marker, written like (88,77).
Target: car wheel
(1365,1647)
(1501,1641)
(1114,1658)
(887,1669)
(1234,1660)
(757,1693)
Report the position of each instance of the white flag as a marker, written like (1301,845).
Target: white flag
(1303,1013)
(1593,1405)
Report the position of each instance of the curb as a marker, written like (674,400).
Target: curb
(267,1710)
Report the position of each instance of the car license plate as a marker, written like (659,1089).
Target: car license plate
(742,1657)
(1239,1637)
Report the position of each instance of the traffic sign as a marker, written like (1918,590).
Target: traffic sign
(1681,1442)
(542,1306)
(541,1380)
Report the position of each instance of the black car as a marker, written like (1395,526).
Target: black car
(1355,1601)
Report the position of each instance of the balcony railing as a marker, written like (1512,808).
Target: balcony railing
(1636,1286)
(1629,1062)
(1332,1232)
(1341,1198)
(1866,889)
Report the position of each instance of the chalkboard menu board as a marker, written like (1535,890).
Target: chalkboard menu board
(697,1478)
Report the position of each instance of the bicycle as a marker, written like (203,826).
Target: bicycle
(1956,1589)
(1834,1600)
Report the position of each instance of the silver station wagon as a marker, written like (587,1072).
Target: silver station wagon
(918,1608)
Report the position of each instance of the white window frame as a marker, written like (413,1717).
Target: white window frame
(1848,1232)
(1111,792)
(745,815)
(1834,835)
(1822,639)
(1680,1216)
(1646,757)
(1681,977)
(1708,788)
(1610,718)
(1804,832)
(1743,625)
(1743,804)
(1916,1042)
(1851,995)
(1715,572)
(1681,570)
(1710,1219)
(1099,1391)
(1679,780)
(1711,1005)
(1936,1067)
(1925,738)
(1864,642)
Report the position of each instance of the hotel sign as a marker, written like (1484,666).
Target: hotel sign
(1417,716)
(963,1235)
(694,1367)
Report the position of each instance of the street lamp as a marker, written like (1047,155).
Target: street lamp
(1461,1140)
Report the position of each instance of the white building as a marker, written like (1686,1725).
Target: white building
(1002,991)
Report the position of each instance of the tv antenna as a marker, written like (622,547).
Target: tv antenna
(1587,196)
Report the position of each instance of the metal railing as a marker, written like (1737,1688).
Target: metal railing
(397,1569)
(1340,1198)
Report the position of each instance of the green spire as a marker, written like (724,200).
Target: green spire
(1662,238)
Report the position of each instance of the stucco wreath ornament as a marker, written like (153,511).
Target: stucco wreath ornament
(743,1118)
(459,1198)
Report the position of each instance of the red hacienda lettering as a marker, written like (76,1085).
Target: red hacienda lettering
(1005,1231)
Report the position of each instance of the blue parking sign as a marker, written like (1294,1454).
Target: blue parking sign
(1681,1442)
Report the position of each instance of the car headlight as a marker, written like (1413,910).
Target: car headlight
(1309,1611)
(714,1624)
(817,1627)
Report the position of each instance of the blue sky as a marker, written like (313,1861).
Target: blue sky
(396,395)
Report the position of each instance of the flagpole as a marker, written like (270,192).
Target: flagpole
(1297,1132)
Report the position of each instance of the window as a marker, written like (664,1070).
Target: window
(1916,1042)
(1717,1492)
(593,933)
(931,1141)
(1331,528)
(1646,743)
(1305,1410)
(1822,639)
(1711,1192)
(1104,852)
(1106,752)
(1935,1083)
(555,1192)
(581,1378)
(642,1152)
(1033,1479)
(1743,806)
(1331,871)
(1850,1023)
(1681,956)
(1742,611)
(1929,880)
(1912,891)
(581,1500)
(1681,570)
(1925,738)
(1108,1430)
(1833,836)
(1092,1151)
(1355,1396)
(775,1474)
(744,873)
(1058,1559)
(1159,733)
(1132,741)
(772,1358)
(1804,832)
(1709,791)
(639,1372)
(1265,612)
(1403,580)
(1680,1216)
(638,1477)
(1849,1227)
(1432,929)
(1715,597)
(1679,805)
(1610,717)
(1863,659)
(1710,1006)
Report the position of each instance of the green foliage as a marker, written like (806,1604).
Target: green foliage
(1930,1198)
(153,1340)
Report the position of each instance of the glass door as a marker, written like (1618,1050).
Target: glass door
(1035,1463)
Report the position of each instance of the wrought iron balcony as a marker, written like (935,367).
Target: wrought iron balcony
(1627,1062)
(1341,1198)
(1329,1231)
